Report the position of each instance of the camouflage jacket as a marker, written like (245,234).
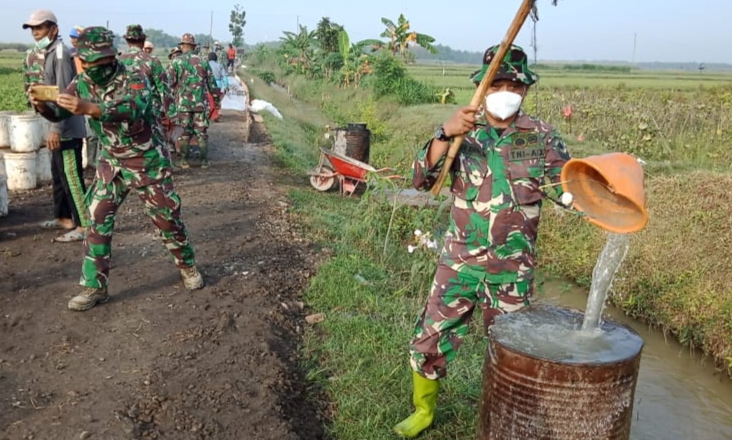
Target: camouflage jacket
(33,67)
(496,181)
(126,128)
(148,65)
(190,78)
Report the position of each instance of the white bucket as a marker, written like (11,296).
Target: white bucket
(21,170)
(3,196)
(2,161)
(26,134)
(43,166)
(5,128)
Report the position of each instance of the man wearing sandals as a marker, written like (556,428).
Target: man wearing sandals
(131,159)
(51,63)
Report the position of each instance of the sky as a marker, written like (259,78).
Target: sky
(590,30)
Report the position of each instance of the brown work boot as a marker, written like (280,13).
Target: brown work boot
(87,299)
(192,278)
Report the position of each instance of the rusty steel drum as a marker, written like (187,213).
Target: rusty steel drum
(563,386)
(353,141)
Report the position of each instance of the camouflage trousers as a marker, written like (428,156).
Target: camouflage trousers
(195,125)
(444,322)
(162,205)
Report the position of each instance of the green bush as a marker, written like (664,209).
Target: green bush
(265,75)
(390,78)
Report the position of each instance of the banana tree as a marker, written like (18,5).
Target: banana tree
(400,36)
(298,49)
(355,62)
(344,48)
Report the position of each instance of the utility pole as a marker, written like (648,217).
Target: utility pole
(210,31)
(635,43)
(298,23)
(107,24)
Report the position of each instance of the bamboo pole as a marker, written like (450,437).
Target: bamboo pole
(487,80)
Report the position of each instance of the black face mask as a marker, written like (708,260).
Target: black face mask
(103,73)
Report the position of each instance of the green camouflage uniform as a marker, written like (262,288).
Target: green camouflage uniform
(132,158)
(150,66)
(489,254)
(33,68)
(190,79)
(174,53)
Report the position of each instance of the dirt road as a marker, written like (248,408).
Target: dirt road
(157,361)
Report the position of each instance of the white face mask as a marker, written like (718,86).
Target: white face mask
(502,105)
(43,43)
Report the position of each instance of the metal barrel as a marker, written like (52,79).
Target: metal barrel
(358,142)
(528,395)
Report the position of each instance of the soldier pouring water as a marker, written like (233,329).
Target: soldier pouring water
(489,255)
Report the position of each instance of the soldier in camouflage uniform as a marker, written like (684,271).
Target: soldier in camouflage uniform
(190,79)
(203,53)
(137,60)
(489,255)
(174,53)
(132,158)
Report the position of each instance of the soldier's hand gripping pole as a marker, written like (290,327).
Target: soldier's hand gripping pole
(526,8)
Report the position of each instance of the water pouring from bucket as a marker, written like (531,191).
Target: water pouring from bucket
(609,190)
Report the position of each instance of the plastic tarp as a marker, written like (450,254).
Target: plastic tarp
(235,97)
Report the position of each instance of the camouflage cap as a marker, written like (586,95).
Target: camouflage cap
(187,39)
(515,66)
(134,32)
(95,43)
(173,52)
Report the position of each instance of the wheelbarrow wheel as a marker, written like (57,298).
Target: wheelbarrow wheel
(323,183)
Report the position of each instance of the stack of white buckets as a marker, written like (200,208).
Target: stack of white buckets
(24,164)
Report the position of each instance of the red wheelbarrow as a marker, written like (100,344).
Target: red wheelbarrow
(348,171)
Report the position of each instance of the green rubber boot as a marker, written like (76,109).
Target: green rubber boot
(203,148)
(425,400)
(185,152)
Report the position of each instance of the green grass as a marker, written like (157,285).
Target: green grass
(13,60)
(12,97)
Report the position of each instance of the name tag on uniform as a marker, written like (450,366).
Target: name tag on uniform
(518,154)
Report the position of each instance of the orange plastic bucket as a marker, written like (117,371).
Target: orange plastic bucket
(609,190)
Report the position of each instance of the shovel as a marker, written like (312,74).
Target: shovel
(526,8)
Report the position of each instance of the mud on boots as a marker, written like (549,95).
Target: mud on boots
(424,398)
